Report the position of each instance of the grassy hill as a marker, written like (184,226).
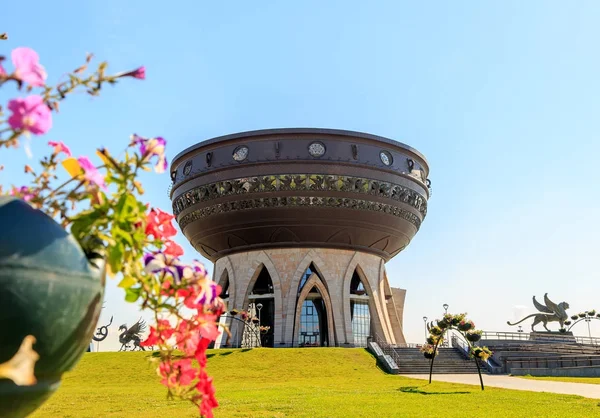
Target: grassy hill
(316,382)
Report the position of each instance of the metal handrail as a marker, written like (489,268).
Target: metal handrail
(523,336)
(518,363)
(388,349)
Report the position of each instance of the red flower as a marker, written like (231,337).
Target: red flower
(180,372)
(173,249)
(160,334)
(158,224)
(206,388)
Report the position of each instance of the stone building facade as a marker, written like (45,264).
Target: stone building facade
(300,223)
(352,309)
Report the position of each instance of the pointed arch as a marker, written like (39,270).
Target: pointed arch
(224,272)
(377,311)
(222,266)
(262,260)
(224,283)
(315,282)
(292,292)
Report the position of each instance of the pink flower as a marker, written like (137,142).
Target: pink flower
(139,73)
(2,70)
(91,174)
(27,66)
(30,114)
(60,147)
(23,192)
(152,147)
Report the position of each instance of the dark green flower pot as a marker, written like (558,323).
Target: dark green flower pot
(48,289)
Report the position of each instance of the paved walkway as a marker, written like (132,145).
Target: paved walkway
(586,390)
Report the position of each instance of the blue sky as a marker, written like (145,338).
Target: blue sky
(502,98)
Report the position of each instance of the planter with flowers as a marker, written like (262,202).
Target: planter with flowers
(73,223)
(473,335)
(463,326)
(429,351)
(482,353)
(586,316)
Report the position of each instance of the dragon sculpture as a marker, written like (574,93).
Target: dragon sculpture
(102,332)
(132,335)
(550,312)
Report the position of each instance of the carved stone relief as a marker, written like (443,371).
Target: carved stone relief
(300,182)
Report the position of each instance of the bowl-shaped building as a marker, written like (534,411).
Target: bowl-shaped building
(300,223)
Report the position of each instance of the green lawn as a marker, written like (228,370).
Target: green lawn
(315,382)
(592,380)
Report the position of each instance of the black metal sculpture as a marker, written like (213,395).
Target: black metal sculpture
(132,334)
(102,332)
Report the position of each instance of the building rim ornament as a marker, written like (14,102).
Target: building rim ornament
(291,131)
(299,201)
(282,182)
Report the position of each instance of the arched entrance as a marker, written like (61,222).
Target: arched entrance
(314,331)
(360,315)
(314,314)
(262,297)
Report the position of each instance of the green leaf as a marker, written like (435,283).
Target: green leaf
(132,295)
(127,282)
(119,233)
(115,257)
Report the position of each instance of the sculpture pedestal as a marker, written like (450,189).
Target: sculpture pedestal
(552,337)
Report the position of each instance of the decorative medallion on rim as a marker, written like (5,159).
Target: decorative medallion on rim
(316,149)
(386,158)
(187,168)
(240,153)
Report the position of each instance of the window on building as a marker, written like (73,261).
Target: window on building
(313,330)
(356,285)
(306,275)
(361,322)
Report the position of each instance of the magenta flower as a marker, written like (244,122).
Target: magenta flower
(152,147)
(30,114)
(27,66)
(60,147)
(91,174)
(23,192)
(139,73)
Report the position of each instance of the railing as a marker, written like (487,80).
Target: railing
(169,190)
(552,362)
(524,336)
(389,349)
(458,342)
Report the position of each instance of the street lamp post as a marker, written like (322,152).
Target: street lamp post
(588,320)
(425,324)
(259,306)
(445,343)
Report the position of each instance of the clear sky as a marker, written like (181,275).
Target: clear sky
(502,98)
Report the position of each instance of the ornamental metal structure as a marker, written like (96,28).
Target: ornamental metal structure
(303,221)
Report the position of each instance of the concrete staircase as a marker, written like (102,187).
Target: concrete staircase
(448,361)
